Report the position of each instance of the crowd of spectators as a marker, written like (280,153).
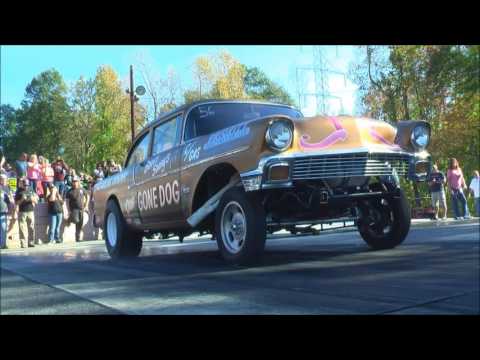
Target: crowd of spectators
(457,186)
(39,181)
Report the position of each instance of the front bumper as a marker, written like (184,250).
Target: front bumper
(324,166)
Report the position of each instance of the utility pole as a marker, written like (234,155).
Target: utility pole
(132,102)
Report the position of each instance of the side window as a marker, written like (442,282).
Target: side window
(165,136)
(140,153)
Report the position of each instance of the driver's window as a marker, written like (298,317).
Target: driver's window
(140,153)
(165,136)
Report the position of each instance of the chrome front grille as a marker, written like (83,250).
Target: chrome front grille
(348,165)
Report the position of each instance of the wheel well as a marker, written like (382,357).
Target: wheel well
(211,181)
(115,200)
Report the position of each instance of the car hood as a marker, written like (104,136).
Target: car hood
(341,133)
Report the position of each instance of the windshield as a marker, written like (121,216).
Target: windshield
(209,118)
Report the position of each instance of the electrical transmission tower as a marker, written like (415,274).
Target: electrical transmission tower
(321,70)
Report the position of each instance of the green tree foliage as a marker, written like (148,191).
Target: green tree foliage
(91,120)
(436,83)
(44,115)
(258,86)
(100,127)
(81,150)
(8,129)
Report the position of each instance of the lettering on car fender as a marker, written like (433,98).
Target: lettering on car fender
(157,166)
(159,196)
(129,204)
(227,135)
(191,152)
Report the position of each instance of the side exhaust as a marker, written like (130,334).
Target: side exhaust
(211,204)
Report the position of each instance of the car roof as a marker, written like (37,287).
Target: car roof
(187,107)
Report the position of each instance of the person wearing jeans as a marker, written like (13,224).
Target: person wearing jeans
(59,170)
(459,197)
(456,183)
(55,214)
(5,204)
(475,190)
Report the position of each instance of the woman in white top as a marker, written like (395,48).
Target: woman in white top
(475,190)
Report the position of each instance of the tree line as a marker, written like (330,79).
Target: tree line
(436,83)
(89,121)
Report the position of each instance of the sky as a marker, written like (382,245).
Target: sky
(20,64)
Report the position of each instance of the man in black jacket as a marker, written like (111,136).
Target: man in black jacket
(26,200)
(77,200)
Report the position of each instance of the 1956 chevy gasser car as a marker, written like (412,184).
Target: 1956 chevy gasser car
(240,168)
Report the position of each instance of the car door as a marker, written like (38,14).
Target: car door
(158,181)
(134,167)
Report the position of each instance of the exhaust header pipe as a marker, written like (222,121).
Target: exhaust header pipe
(211,204)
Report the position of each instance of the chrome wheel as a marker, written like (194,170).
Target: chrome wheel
(380,218)
(233,227)
(112,229)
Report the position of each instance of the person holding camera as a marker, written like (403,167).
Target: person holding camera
(26,200)
(77,200)
(55,214)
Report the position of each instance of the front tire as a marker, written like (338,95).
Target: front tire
(240,227)
(385,222)
(120,241)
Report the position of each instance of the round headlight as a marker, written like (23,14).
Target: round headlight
(420,136)
(279,135)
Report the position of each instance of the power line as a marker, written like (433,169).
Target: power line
(321,70)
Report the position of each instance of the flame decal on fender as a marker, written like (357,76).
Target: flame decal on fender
(338,134)
(376,135)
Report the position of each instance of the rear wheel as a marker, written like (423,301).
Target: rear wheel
(385,222)
(119,240)
(240,227)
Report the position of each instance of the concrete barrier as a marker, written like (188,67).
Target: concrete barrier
(67,233)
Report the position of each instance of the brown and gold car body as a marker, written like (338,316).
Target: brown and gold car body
(159,194)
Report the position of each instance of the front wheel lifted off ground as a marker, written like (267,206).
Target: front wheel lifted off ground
(240,227)
(119,240)
(385,222)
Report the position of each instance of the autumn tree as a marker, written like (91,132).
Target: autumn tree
(217,76)
(112,107)
(436,83)
(80,151)
(100,125)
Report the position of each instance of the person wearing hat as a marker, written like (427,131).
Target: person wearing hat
(26,200)
(77,199)
(6,202)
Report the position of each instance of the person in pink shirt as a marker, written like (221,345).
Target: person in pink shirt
(47,176)
(456,184)
(34,172)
